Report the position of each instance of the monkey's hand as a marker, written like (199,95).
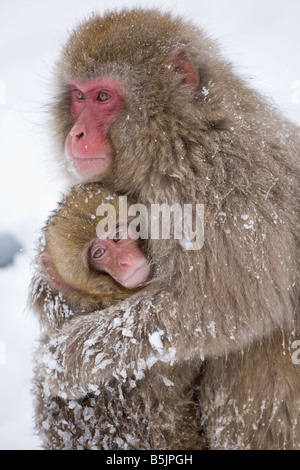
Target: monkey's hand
(122,342)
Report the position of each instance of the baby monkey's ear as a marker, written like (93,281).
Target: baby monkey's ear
(51,273)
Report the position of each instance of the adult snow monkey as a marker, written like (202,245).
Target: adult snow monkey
(89,269)
(146,104)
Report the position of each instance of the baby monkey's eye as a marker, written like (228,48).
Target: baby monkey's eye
(99,252)
(102,96)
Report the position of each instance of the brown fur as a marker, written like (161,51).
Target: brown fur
(65,239)
(222,145)
(119,415)
(252,398)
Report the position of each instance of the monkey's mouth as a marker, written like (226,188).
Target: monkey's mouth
(138,276)
(89,165)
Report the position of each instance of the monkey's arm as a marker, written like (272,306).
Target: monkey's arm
(123,341)
(120,341)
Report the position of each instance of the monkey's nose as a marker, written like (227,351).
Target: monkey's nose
(124,260)
(77,132)
(79,135)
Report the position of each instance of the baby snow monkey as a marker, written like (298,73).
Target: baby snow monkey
(91,268)
(87,264)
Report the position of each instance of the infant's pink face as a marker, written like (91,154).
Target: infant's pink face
(120,257)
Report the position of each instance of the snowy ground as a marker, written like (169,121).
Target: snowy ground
(261,36)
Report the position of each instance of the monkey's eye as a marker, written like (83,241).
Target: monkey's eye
(98,253)
(102,96)
(79,95)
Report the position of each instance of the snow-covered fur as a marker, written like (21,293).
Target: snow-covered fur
(230,303)
(157,409)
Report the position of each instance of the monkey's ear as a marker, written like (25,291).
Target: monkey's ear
(181,63)
(52,273)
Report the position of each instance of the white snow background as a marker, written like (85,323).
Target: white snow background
(261,36)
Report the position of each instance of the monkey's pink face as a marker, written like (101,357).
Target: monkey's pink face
(95,105)
(120,257)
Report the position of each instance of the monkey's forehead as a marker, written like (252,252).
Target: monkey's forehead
(88,191)
(133,36)
(85,201)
